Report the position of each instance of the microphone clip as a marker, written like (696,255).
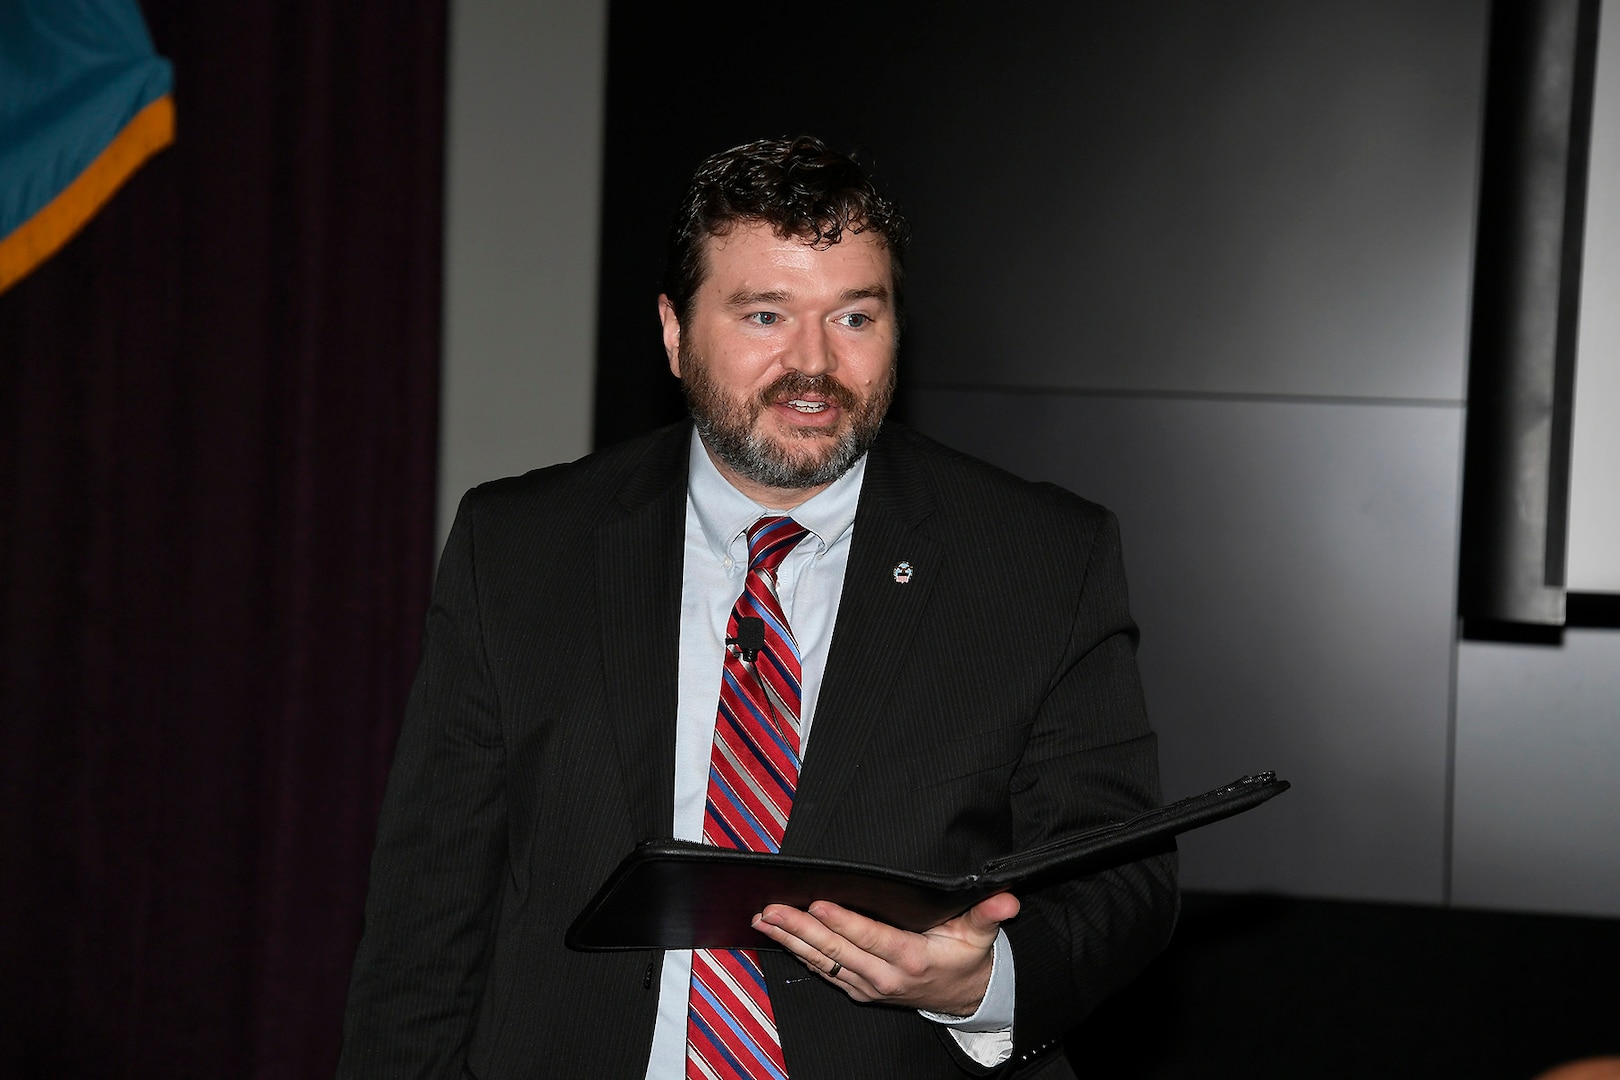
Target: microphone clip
(750,637)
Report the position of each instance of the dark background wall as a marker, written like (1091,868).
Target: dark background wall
(1210,265)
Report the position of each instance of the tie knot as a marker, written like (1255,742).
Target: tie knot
(769,541)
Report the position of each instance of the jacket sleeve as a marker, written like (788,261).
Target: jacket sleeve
(441,847)
(1091,758)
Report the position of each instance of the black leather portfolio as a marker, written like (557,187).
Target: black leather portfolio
(674,894)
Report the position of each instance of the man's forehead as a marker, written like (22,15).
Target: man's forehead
(758,247)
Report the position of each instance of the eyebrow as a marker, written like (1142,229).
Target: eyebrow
(748,297)
(870,292)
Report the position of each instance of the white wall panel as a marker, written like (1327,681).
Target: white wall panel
(1594,497)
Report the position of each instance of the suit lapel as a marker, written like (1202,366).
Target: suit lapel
(877,618)
(638,575)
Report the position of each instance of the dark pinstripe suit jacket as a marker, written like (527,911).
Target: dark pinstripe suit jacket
(988,703)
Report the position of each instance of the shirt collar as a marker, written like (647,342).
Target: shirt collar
(724,513)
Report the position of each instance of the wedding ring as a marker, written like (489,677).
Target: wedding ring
(836,968)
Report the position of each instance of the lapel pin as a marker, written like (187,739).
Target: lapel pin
(902,572)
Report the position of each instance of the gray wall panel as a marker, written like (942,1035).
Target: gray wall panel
(523,190)
(1538,775)
(1235,198)
(1292,567)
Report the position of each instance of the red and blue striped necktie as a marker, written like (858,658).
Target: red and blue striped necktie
(753,772)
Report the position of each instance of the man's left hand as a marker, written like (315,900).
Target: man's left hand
(945,969)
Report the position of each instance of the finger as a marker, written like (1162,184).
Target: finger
(783,936)
(820,949)
(813,928)
(794,922)
(867,935)
(880,962)
(804,936)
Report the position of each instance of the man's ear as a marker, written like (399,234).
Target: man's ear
(672,333)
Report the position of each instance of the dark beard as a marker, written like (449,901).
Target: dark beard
(727,426)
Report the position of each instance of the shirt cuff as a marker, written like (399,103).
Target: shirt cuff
(986,1036)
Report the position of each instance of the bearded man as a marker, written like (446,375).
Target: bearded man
(945,673)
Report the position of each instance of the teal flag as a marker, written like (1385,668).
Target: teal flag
(84,102)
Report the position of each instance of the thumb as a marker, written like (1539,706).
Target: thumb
(988,914)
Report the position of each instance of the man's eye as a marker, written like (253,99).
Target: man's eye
(765,318)
(855,320)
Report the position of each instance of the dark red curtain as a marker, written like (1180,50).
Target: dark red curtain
(218,411)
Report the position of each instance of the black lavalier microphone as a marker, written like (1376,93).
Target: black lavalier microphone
(750,636)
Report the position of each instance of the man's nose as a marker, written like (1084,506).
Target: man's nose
(812,352)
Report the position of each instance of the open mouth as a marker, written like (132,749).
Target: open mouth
(809,407)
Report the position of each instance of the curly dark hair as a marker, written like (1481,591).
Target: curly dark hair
(798,187)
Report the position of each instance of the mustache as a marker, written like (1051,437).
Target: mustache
(797,384)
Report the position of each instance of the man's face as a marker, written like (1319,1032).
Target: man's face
(787,358)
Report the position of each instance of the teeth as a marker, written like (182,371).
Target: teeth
(808,406)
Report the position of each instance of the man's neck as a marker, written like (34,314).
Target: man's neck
(772,498)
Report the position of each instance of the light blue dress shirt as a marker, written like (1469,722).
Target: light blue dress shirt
(809,583)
